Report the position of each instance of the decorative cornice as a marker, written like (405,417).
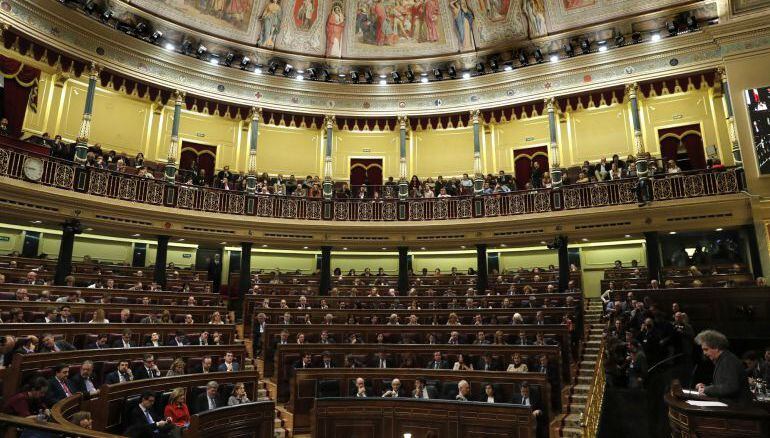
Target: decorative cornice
(76,34)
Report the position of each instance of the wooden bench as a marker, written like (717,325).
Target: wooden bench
(8,290)
(420,334)
(83,312)
(255,419)
(392,418)
(340,382)
(15,275)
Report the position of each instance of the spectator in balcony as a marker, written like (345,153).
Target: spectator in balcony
(547,182)
(443,193)
(582,178)
(602,170)
(671,167)
(200,178)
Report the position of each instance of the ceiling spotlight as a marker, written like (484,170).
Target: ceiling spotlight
(636,37)
(424,79)
(620,40)
(523,58)
(508,66)
(368,77)
(229,59)
(383,82)
(585,239)
(480,68)
(201,51)
(538,56)
(452,72)
(493,65)
(569,49)
(245,61)
(692,23)
(672,27)
(602,46)
(287,69)
(718,229)
(214,59)
(672,232)
(585,45)
(466,75)
(311,74)
(272,67)
(300,77)
(438,74)
(409,75)
(140,28)
(655,37)
(156,36)
(186,47)
(325,76)
(354,77)
(627,236)
(396,77)
(106,15)
(554,57)
(90,6)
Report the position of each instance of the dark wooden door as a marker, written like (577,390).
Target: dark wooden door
(202,154)
(365,171)
(683,144)
(522,163)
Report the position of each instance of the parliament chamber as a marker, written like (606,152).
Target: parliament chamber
(384,218)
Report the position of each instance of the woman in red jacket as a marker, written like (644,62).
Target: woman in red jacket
(176,409)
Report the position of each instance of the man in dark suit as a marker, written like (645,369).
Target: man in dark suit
(229,364)
(82,382)
(730,383)
(49,345)
(325,338)
(327,360)
(65,315)
(438,363)
(124,341)
(122,374)
(206,366)
(490,395)
(487,363)
(259,327)
(215,271)
(180,340)
(381,360)
(148,369)
(207,400)
(304,363)
(527,398)
(395,389)
(58,386)
(203,339)
(421,390)
(141,421)
(99,344)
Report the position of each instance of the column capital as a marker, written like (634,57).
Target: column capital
(179,96)
(94,70)
(403,121)
(256,114)
(721,74)
(632,90)
(329,120)
(550,103)
(475,115)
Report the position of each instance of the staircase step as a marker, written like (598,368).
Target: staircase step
(572,420)
(577,408)
(571,432)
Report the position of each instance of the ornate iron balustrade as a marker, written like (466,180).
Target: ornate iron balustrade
(105,183)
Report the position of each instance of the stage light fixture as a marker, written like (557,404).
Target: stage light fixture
(383,82)
(672,27)
(585,45)
(466,75)
(106,15)
(258,69)
(90,6)
(140,28)
(245,61)
(311,74)
(170,46)
(287,69)
(409,75)
(569,50)
(214,59)
(438,74)
(424,79)
(602,46)
(523,58)
(186,47)
(508,66)
(229,59)
(201,51)
(272,67)
(692,23)
(636,37)
(452,72)
(368,77)
(655,37)
(325,76)
(156,36)
(480,68)
(493,64)
(620,40)
(396,76)
(554,57)
(538,56)
(354,77)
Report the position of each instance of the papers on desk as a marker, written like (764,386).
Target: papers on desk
(706,404)
(690,392)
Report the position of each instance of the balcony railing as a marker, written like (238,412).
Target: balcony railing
(105,183)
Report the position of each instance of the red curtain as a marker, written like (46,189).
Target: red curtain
(522,163)
(691,155)
(20,90)
(366,171)
(205,155)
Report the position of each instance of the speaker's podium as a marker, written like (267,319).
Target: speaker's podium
(693,415)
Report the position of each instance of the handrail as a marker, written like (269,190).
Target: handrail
(590,417)
(109,184)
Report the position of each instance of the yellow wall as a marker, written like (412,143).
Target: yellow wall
(15,240)
(595,258)
(513,260)
(285,261)
(594,133)
(373,261)
(285,150)
(364,144)
(446,152)
(516,134)
(445,262)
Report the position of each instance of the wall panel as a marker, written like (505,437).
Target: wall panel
(288,151)
(446,152)
(360,144)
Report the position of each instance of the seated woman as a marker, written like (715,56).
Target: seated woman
(517,366)
(176,409)
(99,317)
(177,368)
(460,365)
(238,397)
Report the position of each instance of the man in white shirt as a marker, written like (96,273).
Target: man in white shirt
(360,388)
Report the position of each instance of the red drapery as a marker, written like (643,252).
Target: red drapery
(205,155)
(683,144)
(522,163)
(366,171)
(20,90)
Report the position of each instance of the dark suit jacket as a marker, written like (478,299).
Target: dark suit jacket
(223,367)
(119,344)
(496,397)
(78,384)
(173,343)
(534,400)
(93,346)
(137,425)
(442,365)
(202,402)
(141,373)
(112,378)
(55,391)
(431,393)
(493,366)
(730,384)
(375,363)
(63,346)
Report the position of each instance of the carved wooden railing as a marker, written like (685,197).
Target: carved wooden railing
(590,417)
(105,183)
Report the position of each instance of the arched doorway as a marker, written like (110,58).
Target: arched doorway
(522,163)
(204,155)
(683,144)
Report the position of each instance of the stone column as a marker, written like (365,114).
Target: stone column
(173,145)
(81,146)
(326,271)
(161,257)
(251,177)
(478,178)
(403,183)
(652,248)
(481,268)
(563,262)
(328,185)
(244,280)
(403,270)
(553,126)
(641,155)
(70,228)
(730,116)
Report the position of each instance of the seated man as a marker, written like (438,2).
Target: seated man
(141,421)
(463,391)
(361,388)
(438,362)
(206,365)
(207,401)
(148,369)
(395,389)
(49,345)
(28,403)
(82,382)
(58,386)
(229,365)
(122,374)
(421,390)
(525,398)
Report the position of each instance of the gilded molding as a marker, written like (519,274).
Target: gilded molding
(76,34)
